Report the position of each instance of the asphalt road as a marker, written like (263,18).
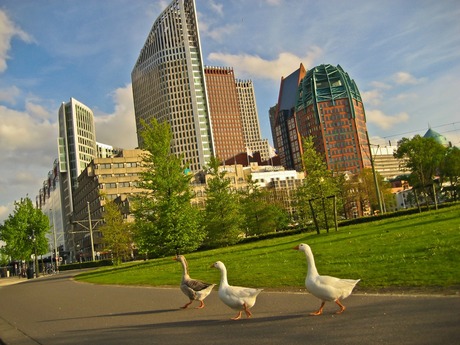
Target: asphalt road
(58,310)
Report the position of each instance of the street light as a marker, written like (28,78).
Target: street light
(377,189)
(90,229)
(56,253)
(34,241)
(321,180)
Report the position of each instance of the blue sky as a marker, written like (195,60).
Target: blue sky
(403,55)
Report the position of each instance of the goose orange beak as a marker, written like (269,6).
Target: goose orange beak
(296,247)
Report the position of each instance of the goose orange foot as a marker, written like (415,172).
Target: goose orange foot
(342,307)
(247,311)
(319,311)
(186,305)
(237,317)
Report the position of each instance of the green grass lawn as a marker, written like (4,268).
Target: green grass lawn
(420,251)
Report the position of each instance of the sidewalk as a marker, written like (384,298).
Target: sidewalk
(11,281)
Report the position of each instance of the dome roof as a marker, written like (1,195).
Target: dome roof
(441,139)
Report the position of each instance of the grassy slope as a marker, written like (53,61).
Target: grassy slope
(416,251)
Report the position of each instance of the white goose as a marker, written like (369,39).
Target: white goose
(194,289)
(236,297)
(326,288)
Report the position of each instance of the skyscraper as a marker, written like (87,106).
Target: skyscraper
(250,119)
(169,83)
(330,109)
(286,134)
(327,106)
(77,148)
(227,125)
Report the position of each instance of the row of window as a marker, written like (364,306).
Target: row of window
(118,185)
(116,165)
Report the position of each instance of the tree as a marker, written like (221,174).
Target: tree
(116,233)
(222,218)
(422,157)
(24,232)
(362,187)
(260,216)
(319,186)
(166,222)
(450,172)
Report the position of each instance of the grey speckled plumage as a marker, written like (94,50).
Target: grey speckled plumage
(194,289)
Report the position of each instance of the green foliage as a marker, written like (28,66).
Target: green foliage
(314,198)
(85,264)
(24,231)
(4,259)
(361,188)
(260,215)
(422,156)
(116,234)
(166,222)
(450,172)
(222,217)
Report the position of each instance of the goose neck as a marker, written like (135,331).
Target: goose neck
(311,263)
(223,276)
(184,267)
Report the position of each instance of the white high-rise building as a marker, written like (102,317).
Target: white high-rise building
(77,148)
(169,83)
(77,138)
(250,119)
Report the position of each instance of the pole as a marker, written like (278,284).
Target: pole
(91,231)
(55,245)
(377,189)
(321,180)
(34,239)
(314,216)
(434,197)
(335,214)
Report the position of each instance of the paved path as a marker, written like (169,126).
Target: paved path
(57,310)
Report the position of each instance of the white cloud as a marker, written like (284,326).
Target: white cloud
(7,31)
(217,8)
(253,66)
(384,121)
(118,129)
(28,147)
(377,140)
(380,85)
(405,96)
(21,131)
(372,97)
(405,78)
(5,211)
(274,2)
(217,33)
(9,94)
(213,27)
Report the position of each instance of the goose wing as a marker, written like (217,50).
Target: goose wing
(197,285)
(236,296)
(330,288)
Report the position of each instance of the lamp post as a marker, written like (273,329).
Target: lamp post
(89,228)
(321,180)
(377,189)
(56,253)
(34,241)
